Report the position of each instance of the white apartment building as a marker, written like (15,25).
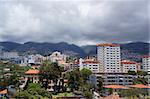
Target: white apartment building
(32,59)
(9,55)
(111,78)
(127,65)
(146,63)
(57,56)
(89,64)
(109,57)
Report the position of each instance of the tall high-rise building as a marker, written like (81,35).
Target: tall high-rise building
(146,63)
(109,57)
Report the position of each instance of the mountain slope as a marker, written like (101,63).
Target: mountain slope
(9,46)
(134,47)
(42,48)
(139,48)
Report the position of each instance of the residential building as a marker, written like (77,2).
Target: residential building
(33,75)
(57,56)
(90,64)
(74,65)
(9,55)
(127,65)
(112,78)
(146,63)
(3,93)
(109,57)
(32,59)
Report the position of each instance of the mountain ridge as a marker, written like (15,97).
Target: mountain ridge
(46,47)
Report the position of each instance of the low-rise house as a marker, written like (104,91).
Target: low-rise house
(33,75)
(3,93)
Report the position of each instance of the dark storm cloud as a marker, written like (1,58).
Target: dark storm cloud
(80,22)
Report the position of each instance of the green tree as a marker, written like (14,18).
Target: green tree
(100,84)
(35,91)
(22,95)
(75,79)
(50,71)
(132,92)
(87,95)
(141,73)
(140,80)
(131,72)
(33,86)
(86,73)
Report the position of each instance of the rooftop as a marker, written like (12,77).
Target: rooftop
(34,71)
(4,91)
(146,56)
(128,62)
(94,62)
(108,44)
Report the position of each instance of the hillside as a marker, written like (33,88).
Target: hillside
(135,48)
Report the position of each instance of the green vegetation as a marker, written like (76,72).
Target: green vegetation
(77,82)
(64,94)
(86,73)
(34,91)
(50,71)
(141,73)
(133,93)
(131,72)
(100,84)
(140,80)
(10,73)
(141,77)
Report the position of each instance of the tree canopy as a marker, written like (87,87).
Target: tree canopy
(33,90)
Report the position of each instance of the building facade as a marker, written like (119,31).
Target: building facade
(57,56)
(111,78)
(109,57)
(9,55)
(146,63)
(127,65)
(33,75)
(90,64)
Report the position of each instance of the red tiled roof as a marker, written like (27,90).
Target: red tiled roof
(108,44)
(128,62)
(4,91)
(32,71)
(146,56)
(116,87)
(140,86)
(94,62)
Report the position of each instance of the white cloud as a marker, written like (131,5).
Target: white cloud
(80,22)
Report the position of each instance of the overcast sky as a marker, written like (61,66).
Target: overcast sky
(74,21)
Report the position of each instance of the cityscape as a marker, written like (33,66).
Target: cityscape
(84,49)
(60,73)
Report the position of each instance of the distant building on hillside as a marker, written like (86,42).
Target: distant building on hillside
(109,57)
(9,55)
(57,56)
(32,59)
